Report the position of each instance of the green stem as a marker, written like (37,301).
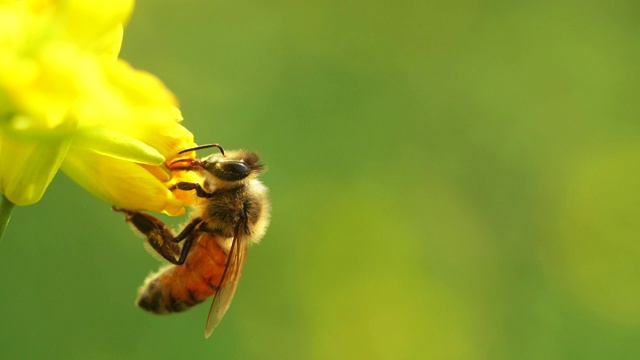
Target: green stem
(6,207)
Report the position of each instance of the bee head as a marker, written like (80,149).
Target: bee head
(231,166)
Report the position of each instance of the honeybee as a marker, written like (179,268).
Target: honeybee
(208,255)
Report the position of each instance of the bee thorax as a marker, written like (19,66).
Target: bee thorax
(233,211)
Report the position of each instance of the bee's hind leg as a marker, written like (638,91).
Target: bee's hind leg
(160,237)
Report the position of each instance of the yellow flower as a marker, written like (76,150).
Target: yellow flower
(67,101)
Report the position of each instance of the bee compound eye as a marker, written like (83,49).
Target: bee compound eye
(238,168)
(230,170)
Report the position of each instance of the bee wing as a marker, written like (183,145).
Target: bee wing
(228,283)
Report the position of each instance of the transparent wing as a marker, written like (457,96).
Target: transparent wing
(228,283)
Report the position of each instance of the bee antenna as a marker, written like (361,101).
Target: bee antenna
(203,147)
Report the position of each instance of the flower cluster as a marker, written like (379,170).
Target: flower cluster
(67,102)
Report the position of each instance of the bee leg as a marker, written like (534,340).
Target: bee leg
(185,249)
(182,185)
(160,237)
(187,234)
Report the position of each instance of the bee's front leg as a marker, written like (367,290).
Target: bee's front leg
(160,237)
(186,186)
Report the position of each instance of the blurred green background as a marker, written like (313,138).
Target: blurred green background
(449,179)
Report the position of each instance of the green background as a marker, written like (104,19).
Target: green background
(450,180)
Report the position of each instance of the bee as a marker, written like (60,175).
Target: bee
(207,257)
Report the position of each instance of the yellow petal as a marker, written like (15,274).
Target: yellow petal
(117,145)
(159,172)
(88,22)
(42,88)
(27,167)
(141,108)
(120,183)
(63,91)
(109,45)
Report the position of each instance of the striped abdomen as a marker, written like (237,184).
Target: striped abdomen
(176,288)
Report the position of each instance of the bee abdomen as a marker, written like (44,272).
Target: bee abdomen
(149,298)
(175,288)
(160,296)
